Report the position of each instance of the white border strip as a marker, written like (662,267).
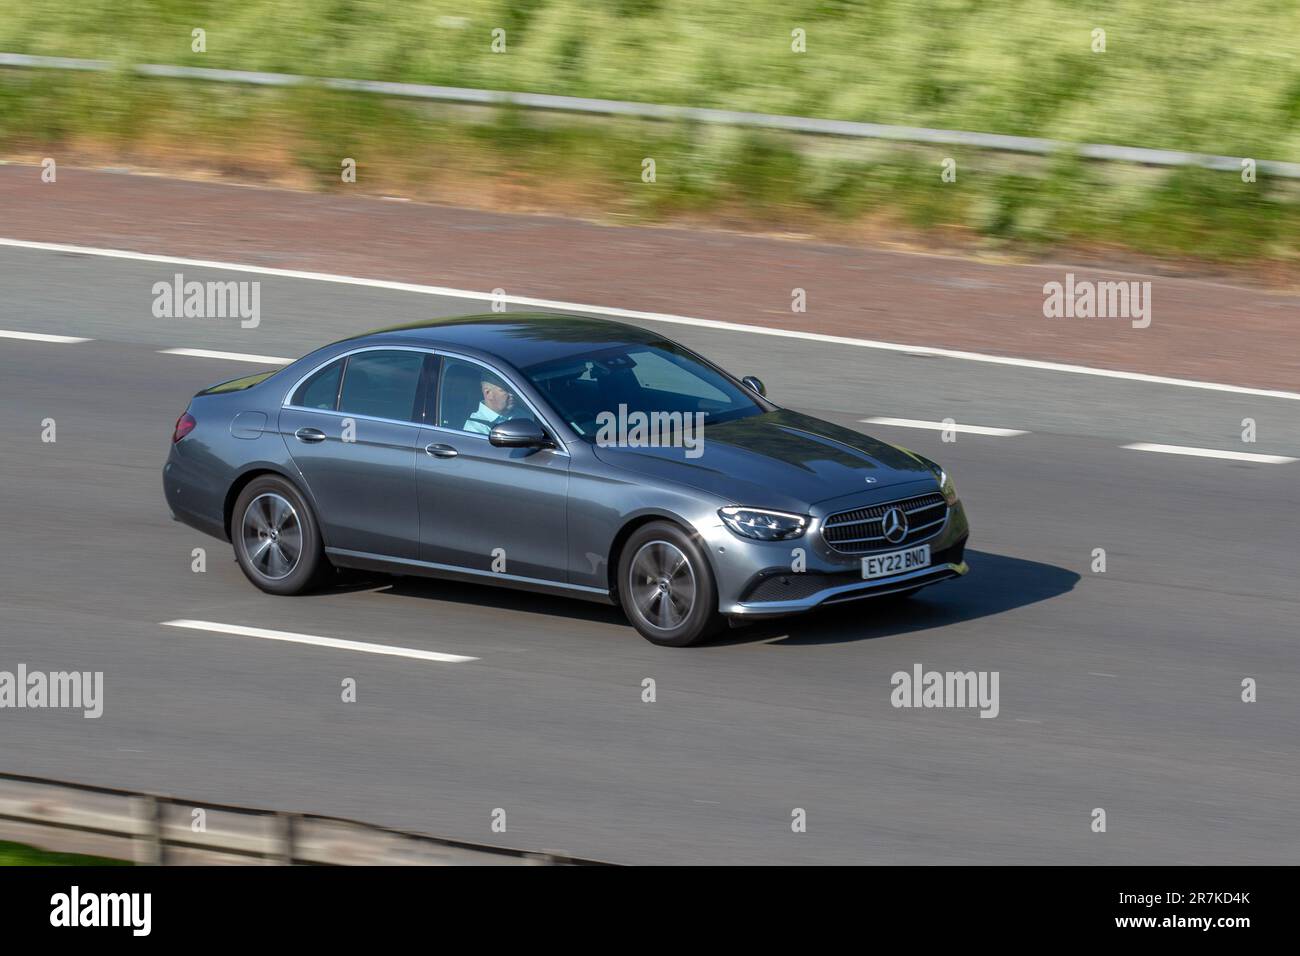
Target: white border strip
(943,426)
(232,356)
(267,635)
(1210,453)
(650,317)
(42,337)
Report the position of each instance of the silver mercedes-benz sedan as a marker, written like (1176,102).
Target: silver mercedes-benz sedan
(559,454)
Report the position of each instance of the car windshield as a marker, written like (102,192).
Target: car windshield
(638,378)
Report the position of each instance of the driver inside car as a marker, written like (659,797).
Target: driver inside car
(498,405)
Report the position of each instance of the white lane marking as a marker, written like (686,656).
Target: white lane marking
(42,337)
(940,426)
(233,356)
(362,646)
(611,312)
(1210,453)
(1100,674)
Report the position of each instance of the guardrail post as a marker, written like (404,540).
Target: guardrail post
(148,840)
(285,826)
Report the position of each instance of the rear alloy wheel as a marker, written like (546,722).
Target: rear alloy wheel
(276,538)
(666,586)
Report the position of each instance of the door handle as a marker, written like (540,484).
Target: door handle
(441,451)
(309,435)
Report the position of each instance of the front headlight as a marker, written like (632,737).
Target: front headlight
(762,524)
(945,484)
(946,487)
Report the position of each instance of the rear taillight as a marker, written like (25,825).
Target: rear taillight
(184,425)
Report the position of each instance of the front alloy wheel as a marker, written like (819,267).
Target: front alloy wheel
(666,586)
(663,585)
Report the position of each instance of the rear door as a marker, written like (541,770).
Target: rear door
(352,428)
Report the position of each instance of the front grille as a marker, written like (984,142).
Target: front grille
(860,531)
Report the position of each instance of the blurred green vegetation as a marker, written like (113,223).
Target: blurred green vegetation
(19,854)
(1177,74)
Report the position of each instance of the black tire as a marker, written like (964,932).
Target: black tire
(655,567)
(257,509)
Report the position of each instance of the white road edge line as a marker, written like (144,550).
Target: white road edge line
(940,426)
(42,337)
(365,648)
(233,356)
(653,317)
(1210,453)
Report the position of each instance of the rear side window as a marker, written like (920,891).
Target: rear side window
(321,390)
(382,384)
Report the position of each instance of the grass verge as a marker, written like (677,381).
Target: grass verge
(19,854)
(507,159)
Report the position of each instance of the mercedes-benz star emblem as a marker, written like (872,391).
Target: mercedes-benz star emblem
(894,525)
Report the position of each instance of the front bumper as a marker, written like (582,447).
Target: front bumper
(828,592)
(756,579)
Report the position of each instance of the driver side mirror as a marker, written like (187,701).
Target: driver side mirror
(519,433)
(754,384)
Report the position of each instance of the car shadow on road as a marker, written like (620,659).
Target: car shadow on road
(996,583)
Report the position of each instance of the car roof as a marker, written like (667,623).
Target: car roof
(519,338)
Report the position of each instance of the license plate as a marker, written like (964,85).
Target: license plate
(895,562)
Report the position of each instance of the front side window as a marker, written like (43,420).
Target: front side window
(472,398)
(382,384)
(638,378)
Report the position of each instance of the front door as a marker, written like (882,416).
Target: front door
(484,508)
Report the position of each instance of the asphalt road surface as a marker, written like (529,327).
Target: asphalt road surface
(1118,690)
